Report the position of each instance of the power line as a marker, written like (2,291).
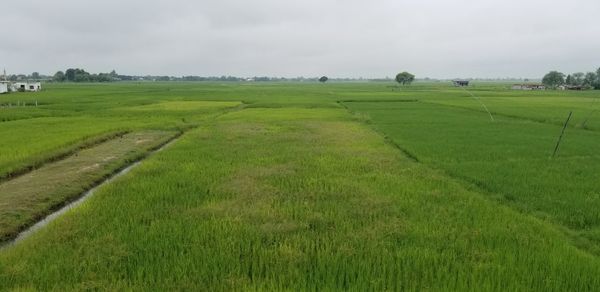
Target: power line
(480,102)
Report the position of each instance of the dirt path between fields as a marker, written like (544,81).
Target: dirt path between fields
(30,201)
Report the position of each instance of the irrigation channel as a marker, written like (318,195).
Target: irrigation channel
(86,195)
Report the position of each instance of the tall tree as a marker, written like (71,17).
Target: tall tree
(590,79)
(323,79)
(70,75)
(577,78)
(59,76)
(405,78)
(554,79)
(569,80)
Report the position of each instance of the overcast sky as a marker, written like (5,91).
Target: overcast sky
(341,38)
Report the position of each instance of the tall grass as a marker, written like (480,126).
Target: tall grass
(293,199)
(294,193)
(509,159)
(31,141)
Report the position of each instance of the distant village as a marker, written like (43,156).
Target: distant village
(7,86)
(522,86)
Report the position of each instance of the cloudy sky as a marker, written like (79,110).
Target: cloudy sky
(342,38)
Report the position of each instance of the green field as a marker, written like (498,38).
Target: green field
(305,186)
(34,195)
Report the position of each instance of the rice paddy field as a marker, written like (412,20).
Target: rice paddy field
(305,186)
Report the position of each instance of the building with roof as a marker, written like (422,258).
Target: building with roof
(27,86)
(529,87)
(460,83)
(3,87)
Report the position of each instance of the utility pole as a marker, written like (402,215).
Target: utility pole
(561,134)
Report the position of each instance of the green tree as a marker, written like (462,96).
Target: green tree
(577,78)
(59,76)
(35,75)
(569,80)
(70,75)
(113,75)
(102,77)
(323,79)
(405,78)
(554,79)
(77,75)
(82,76)
(590,79)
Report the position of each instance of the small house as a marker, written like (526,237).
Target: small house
(3,87)
(460,83)
(571,87)
(574,87)
(529,87)
(28,86)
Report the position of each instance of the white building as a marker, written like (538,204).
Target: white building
(3,87)
(27,86)
(529,87)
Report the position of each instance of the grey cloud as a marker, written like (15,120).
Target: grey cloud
(290,38)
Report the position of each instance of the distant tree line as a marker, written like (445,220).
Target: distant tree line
(590,80)
(236,79)
(80,75)
(404,78)
(23,77)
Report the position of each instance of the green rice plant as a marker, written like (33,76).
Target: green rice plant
(509,159)
(28,198)
(276,186)
(293,199)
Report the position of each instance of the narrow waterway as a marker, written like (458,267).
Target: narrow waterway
(86,195)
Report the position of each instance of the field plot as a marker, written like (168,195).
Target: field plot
(546,106)
(29,197)
(277,186)
(293,199)
(185,106)
(31,142)
(509,159)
